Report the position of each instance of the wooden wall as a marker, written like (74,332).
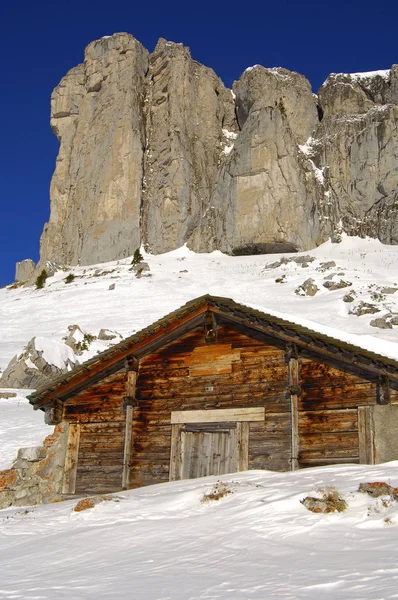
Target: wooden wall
(99,412)
(328,412)
(237,371)
(257,378)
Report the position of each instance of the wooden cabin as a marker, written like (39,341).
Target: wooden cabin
(217,387)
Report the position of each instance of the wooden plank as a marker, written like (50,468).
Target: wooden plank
(294,385)
(175,452)
(212,359)
(242,430)
(71,459)
(218,415)
(294,432)
(131,384)
(318,421)
(128,439)
(329,441)
(365,435)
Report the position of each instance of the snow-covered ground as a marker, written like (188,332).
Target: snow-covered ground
(165,543)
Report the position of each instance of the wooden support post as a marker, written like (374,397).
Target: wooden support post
(294,387)
(242,430)
(175,452)
(210,327)
(365,435)
(72,453)
(129,402)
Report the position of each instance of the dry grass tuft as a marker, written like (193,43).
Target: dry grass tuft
(90,502)
(219,490)
(330,501)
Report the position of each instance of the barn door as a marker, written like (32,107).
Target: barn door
(208,449)
(211,442)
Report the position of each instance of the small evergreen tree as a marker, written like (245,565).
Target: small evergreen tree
(137,257)
(41,280)
(69,278)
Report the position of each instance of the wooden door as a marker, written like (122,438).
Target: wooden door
(201,449)
(208,449)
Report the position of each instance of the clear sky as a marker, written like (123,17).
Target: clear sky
(40,41)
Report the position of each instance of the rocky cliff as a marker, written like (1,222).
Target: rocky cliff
(155,150)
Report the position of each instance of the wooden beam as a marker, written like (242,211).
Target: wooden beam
(365,435)
(222,415)
(128,442)
(242,430)
(294,386)
(71,459)
(210,327)
(130,402)
(175,452)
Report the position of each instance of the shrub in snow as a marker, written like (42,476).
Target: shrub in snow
(41,279)
(137,257)
(41,361)
(218,491)
(78,340)
(69,278)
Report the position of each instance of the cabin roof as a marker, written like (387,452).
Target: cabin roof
(185,318)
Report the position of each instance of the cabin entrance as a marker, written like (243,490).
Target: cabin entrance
(210,442)
(208,449)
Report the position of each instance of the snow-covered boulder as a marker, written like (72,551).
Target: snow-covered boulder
(41,361)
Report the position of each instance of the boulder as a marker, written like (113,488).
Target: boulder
(108,334)
(24,270)
(307,288)
(38,364)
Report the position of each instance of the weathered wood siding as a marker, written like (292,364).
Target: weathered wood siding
(99,411)
(237,371)
(328,412)
(244,373)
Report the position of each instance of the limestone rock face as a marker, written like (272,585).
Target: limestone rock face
(266,186)
(24,269)
(187,107)
(155,150)
(97,115)
(358,152)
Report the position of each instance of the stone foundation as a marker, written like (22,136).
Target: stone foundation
(36,475)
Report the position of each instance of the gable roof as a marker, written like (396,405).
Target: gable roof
(188,316)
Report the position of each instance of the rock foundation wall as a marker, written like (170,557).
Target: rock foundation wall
(36,475)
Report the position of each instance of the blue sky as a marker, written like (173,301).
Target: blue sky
(41,41)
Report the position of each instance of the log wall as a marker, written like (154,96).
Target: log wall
(99,412)
(242,371)
(328,412)
(235,371)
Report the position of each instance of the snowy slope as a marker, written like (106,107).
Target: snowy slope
(164,543)
(182,275)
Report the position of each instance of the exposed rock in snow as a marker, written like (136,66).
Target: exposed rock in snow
(41,361)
